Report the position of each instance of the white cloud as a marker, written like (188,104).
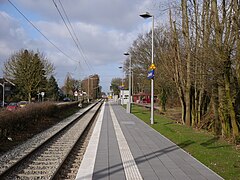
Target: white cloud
(12,36)
(115,14)
(105,29)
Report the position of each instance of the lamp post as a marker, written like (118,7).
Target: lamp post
(145,16)
(3,87)
(129,83)
(121,90)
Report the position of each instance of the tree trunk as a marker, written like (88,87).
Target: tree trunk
(29,97)
(199,107)
(178,70)
(230,100)
(183,104)
(224,113)
(196,64)
(185,29)
(204,55)
(217,125)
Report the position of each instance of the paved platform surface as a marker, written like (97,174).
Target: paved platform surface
(124,147)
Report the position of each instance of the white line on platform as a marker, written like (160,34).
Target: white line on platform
(130,167)
(85,171)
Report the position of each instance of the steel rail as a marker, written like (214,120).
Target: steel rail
(11,165)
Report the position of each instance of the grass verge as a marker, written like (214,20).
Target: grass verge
(217,154)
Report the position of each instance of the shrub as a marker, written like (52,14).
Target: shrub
(33,113)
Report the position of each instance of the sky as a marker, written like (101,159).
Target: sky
(103,31)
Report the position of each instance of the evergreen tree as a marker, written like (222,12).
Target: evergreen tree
(29,71)
(52,89)
(116,83)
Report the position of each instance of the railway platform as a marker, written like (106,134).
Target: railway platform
(124,147)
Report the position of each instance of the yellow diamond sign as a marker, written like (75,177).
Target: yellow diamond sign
(152,66)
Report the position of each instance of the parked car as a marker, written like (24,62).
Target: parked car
(66,99)
(22,104)
(12,106)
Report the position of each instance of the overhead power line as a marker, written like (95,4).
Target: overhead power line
(41,32)
(72,34)
(81,49)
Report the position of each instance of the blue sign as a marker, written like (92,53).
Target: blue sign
(150,74)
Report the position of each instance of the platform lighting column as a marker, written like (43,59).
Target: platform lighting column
(3,86)
(3,93)
(145,16)
(129,83)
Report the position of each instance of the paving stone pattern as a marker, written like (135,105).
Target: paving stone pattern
(155,156)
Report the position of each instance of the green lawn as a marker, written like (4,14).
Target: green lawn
(217,154)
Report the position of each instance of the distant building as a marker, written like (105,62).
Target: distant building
(143,98)
(124,96)
(91,86)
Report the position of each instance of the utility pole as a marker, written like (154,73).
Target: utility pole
(3,85)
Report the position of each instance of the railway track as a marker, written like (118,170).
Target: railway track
(54,154)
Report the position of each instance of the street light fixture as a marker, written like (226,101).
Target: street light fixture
(129,83)
(120,67)
(145,16)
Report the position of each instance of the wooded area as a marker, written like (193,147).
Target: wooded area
(197,56)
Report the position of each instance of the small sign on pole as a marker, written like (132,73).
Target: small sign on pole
(151,71)
(75,93)
(42,94)
(150,74)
